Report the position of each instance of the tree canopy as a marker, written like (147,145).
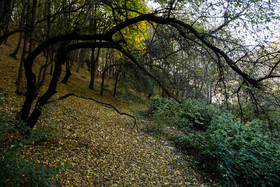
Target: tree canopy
(194,49)
(213,67)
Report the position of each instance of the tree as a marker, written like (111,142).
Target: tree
(6,9)
(196,34)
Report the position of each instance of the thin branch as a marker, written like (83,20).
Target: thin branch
(97,101)
(178,25)
(88,13)
(53,16)
(270,73)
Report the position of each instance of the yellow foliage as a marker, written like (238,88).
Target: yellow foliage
(98,146)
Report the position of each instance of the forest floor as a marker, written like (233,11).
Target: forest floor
(94,144)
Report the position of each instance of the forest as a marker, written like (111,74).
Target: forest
(139,93)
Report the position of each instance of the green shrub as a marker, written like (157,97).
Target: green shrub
(157,103)
(16,171)
(47,123)
(189,114)
(232,152)
(228,152)
(131,96)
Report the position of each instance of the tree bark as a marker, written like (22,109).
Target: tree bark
(6,9)
(103,77)
(14,54)
(36,113)
(81,59)
(94,64)
(68,72)
(116,83)
(52,53)
(44,69)
(32,91)
(32,26)
(10,5)
(24,50)
(20,70)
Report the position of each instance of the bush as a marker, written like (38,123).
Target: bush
(47,124)
(190,114)
(225,150)
(231,152)
(131,96)
(16,171)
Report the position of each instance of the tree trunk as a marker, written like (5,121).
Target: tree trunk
(10,5)
(32,91)
(103,77)
(52,54)
(209,92)
(18,83)
(51,69)
(102,82)
(21,25)
(26,37)
(116,82)
(36,113)
(48,52)
(2,14)
(94,64)
(43,69)
(14,54)
(92,70)
(81,59)
(78,67)
(32,26)
(25,110)
(6,9)
(68,72)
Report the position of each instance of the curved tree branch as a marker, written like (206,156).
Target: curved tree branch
(179,25)
(106,41)
(97,101)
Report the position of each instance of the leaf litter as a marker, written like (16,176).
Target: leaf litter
(93,144)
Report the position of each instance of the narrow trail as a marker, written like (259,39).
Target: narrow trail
(95,145)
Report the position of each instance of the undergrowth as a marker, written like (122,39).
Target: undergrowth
(223,149)
(16,170)
(130,96)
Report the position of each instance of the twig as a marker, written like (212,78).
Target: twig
(100,102)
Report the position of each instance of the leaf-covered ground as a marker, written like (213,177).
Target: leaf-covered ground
(94,145)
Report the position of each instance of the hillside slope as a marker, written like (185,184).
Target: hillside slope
(99,146)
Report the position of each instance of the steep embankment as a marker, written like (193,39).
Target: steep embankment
(99,146)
